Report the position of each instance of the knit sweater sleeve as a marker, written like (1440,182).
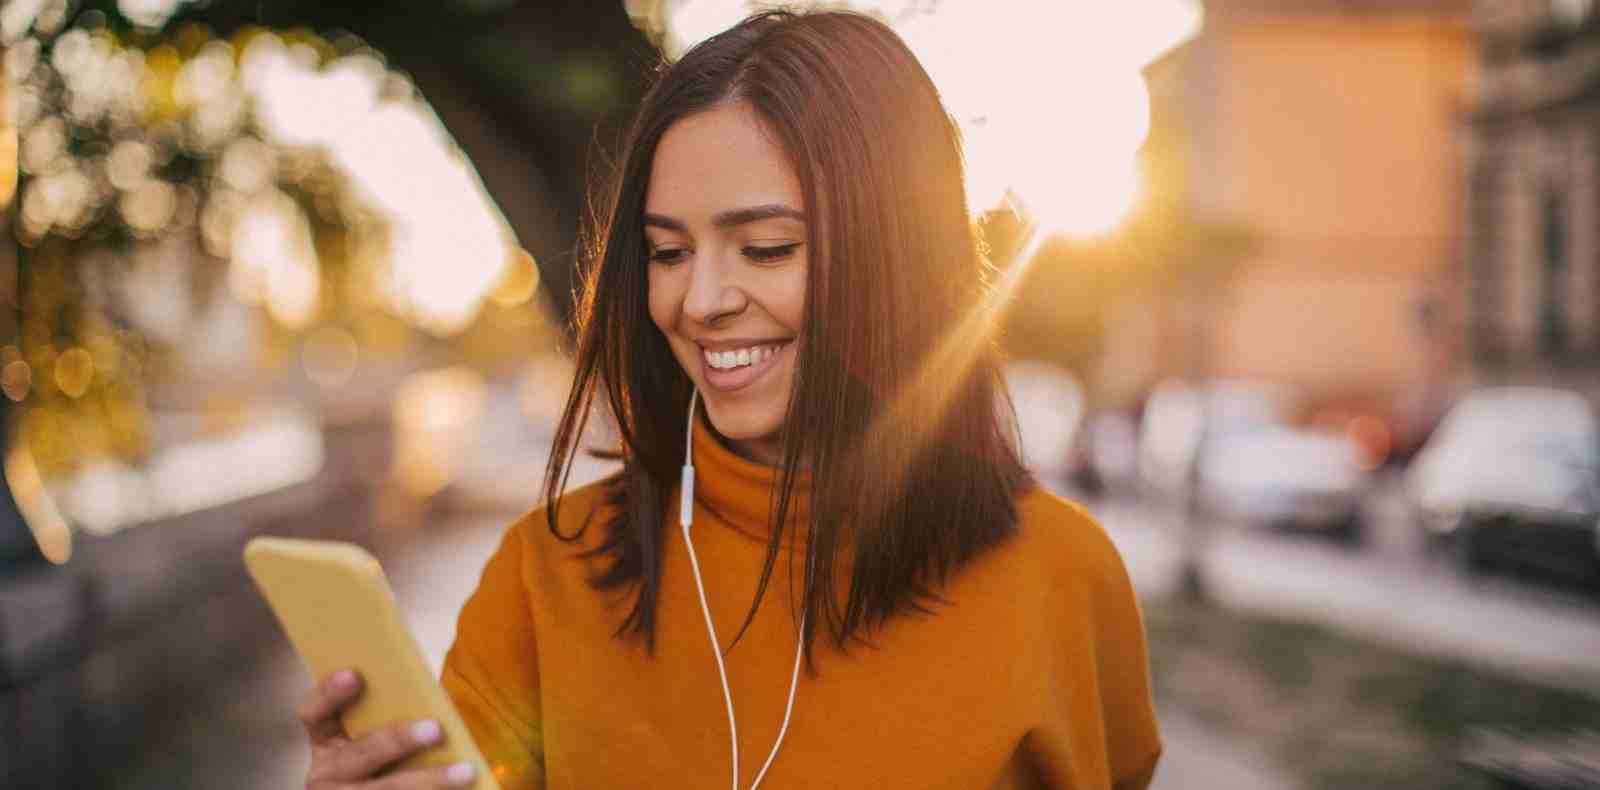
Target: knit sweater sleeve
(491,671)
(1099,728)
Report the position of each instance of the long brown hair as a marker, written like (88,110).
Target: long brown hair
(912,483)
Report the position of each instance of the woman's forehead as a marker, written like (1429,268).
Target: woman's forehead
(719,159)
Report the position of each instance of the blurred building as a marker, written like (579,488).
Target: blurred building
(1533,194)
(1326,129)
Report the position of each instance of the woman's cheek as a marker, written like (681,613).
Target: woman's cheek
(658,299)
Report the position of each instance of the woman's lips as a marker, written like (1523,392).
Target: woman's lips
(732,379)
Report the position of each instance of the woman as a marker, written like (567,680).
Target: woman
(786,303)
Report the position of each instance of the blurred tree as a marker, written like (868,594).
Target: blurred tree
(143,152)
(1061,309)
(536,93)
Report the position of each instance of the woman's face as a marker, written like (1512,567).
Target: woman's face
(726,231)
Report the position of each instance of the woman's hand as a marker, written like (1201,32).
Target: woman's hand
(338,763)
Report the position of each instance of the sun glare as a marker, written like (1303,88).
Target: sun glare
(1049,96)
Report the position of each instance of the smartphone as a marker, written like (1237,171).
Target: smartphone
(335,605)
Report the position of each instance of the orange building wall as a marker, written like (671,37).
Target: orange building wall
(1335,140)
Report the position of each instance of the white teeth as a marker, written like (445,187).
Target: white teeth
(722,360)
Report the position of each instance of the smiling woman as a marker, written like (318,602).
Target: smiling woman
(786,243)
(728,267)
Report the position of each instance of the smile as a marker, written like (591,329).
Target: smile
(733,369)
(739,357)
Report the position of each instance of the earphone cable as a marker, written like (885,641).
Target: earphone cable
(685,518)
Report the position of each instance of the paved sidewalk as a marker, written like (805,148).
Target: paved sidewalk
(1196,758)
(1431,611)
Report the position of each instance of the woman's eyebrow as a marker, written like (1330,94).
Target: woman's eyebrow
(666,222)
(740,216)
(731,217)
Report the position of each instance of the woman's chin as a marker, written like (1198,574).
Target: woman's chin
(751,432)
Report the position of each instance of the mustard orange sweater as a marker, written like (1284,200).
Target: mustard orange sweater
(1034,673)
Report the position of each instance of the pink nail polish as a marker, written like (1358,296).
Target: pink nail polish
(426,731)
(460,774)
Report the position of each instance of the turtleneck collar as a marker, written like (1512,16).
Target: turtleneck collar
(740,492)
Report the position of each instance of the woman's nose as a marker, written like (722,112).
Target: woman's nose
(712,294)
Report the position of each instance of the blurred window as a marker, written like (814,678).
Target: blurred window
(1553,308)
(1486,218)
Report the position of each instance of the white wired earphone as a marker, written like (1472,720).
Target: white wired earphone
(685,518)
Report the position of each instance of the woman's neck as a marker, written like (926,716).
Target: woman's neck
(766,450)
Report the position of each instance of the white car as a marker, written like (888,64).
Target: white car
(1247,464)
(1514,474)
(1519,448)
(1287,476)
(1177,415)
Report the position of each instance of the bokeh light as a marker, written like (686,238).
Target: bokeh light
(436,415)
(519,281)
(50,530)
(74,371)
(16,379)
(148,207)
(330,356)
(148,13)
(274,260)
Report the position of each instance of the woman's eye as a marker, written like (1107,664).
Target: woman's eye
(768,253)
(668,254)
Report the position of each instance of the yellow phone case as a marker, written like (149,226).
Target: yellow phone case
(335,605)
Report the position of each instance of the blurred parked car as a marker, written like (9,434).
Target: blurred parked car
(1288,477)
(1231,446)
(1107,457)
(1177,415)
(1513,474)
(1169,436)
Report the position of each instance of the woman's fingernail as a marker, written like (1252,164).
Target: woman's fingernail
(460,774)
(426,731)
(345,677)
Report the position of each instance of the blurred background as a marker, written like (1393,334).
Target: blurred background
(1305,307)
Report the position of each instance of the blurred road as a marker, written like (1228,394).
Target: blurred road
(250,739)
(1392,588)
